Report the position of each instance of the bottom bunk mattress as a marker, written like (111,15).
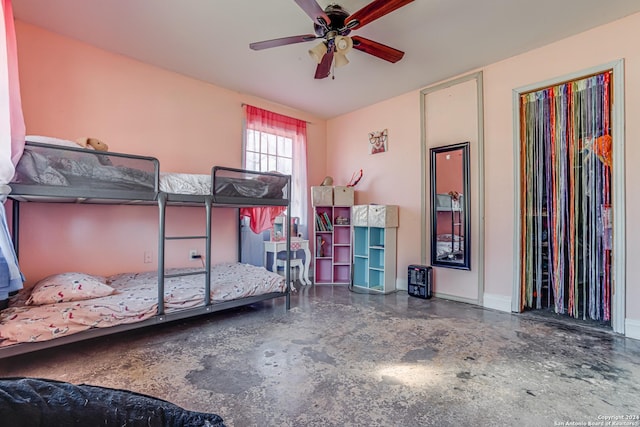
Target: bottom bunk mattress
(72,302)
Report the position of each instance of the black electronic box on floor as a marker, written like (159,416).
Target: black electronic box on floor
(420,281)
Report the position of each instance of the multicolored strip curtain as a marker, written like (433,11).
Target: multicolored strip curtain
(566,218)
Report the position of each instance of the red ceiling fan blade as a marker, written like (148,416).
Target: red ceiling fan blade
(324,67)
(266,44)
(374,10)
(377,49)
(315,12)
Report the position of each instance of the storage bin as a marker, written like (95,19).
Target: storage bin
(359,215)
(383,216)
(343,196)
(322,196)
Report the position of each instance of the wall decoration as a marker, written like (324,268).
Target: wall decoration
(378,141)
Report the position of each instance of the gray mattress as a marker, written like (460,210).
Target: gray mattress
(46,169)
(68,169)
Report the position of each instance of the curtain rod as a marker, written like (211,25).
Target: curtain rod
(306,121)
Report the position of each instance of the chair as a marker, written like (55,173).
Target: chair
(294,263)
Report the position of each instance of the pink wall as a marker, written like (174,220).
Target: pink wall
(451,117)
(395,176)
(390,178)
(71,89)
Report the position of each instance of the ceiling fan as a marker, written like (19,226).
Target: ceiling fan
(333,25)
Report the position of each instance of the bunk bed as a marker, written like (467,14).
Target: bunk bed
(59,313)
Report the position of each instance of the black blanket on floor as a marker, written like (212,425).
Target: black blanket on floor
(31,402)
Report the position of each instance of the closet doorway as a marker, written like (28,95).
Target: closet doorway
(570,198)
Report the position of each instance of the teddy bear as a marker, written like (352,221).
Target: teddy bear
(94,143)
(97,145)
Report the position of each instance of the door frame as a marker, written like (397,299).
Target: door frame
(477,210)
(618,262)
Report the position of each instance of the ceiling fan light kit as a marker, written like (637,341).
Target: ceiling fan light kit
(318,52)
(340,60)
(333,24)
(343,44)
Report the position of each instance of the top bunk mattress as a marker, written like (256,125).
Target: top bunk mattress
(47,171)
(238,186)
(57,172)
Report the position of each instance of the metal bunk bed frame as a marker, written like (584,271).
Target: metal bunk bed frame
(30,193)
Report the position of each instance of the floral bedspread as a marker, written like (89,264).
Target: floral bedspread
(136,299)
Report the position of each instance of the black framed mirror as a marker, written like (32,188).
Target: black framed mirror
(450,207)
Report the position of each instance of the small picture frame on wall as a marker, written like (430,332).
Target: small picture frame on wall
(378,142)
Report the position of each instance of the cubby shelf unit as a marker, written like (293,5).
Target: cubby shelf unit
(332,239)
(374,247)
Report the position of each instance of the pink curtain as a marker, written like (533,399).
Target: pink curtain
(278,124)
(12,132)
(257,119)
(268,120)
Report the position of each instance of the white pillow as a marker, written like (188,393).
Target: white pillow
(67,287)
(52,141)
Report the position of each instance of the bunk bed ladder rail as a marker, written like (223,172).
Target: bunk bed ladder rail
(162,238)
(287,265)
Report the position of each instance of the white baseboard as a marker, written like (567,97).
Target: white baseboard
(497,302)
(632,328)
(455,298)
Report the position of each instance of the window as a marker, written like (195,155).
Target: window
(266,152)
(274,142)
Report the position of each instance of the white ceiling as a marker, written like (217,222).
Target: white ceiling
(209,40)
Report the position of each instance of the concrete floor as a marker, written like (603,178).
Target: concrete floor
(338,358)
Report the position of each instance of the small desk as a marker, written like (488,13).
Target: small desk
(296,245)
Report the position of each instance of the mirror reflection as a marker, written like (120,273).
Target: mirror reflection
(450,230)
